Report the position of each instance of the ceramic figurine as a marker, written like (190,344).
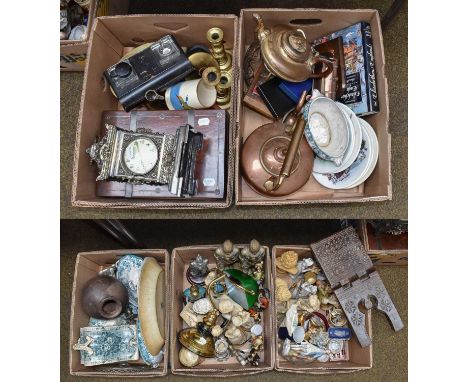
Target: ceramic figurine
(291,319)
(251,255)
(188,358)
(216,331)
(287,262)
(240,318)
(258,273)
(235,335)
(197,270)
(226,255)
(210,277)
(104,297)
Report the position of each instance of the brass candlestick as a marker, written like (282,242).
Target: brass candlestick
(215,37)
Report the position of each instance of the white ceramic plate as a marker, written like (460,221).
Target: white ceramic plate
(324,166)
(375,153)
(351,175)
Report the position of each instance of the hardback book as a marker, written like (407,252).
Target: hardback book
(360,92)
(210,168)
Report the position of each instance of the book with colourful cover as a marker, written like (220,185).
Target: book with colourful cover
(360,92)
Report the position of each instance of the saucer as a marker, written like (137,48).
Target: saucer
(375,153)
(353,173)
(322,166)
(325,119)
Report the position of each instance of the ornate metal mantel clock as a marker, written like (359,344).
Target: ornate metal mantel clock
(146,157)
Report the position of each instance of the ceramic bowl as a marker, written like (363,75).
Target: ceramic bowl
(353,173)
(327,129)
(322,166)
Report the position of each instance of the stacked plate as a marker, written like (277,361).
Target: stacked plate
(346,146)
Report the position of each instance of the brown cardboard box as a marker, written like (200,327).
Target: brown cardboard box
(110,36)
(379,185)
(386,250)
(180,261)
(88,264)
(73,52)
(359,358)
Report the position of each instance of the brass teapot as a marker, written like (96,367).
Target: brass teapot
(287,54)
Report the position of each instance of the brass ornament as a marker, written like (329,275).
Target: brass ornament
(287,54)
(199,340)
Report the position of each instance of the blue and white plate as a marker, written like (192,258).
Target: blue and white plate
(322,166)
(349,176)
(128,272)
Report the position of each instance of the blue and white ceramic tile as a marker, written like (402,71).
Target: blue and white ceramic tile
(103,345)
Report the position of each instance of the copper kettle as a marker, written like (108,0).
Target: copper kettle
(287,54)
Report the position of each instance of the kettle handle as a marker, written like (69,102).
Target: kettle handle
(316,59)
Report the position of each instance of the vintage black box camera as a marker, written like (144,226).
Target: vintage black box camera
(141,75)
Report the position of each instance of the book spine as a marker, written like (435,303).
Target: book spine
(371,81)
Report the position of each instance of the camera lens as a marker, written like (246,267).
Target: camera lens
(123,69)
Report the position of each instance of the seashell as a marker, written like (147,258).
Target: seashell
(188,358)
(283,294)
(216,331)
(291,319)
(202,306)
(210,277)
(314,302)
(280,282)
(225,306)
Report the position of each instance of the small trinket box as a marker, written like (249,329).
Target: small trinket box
(235,337)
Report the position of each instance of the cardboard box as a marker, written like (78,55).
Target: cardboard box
(180,261)
(316,23)
(386,249)
(110,37)
(88,264)
(73,53)
(359,358)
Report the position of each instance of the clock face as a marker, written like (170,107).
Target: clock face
(141,156)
